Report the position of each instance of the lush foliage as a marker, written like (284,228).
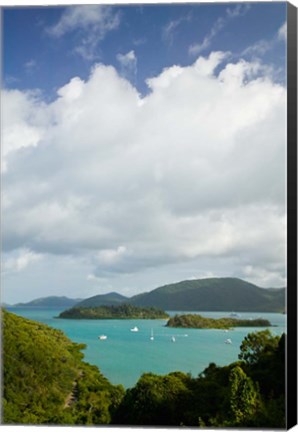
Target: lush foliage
(123,311)
(46,382)
(197,321)
(243,394)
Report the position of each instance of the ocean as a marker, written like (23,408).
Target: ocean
(125,355)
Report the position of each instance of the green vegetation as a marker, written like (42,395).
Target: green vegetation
(197,321)
(123,311)
(213,294)
(109,299)
(247,393)
(46,382)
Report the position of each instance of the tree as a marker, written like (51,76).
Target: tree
(245,397)
(256,346)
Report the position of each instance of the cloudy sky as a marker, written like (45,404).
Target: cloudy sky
(142,145)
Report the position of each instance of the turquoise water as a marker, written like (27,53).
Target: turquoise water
(125,355)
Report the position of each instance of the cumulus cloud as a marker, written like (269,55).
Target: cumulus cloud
(24,125)
(21,259)
(192,173)
(92,22)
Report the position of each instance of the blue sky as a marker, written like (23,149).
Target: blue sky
(159,36)
(142,145)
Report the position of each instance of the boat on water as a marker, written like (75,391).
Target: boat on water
(152,337)
(173,339)
(134,329)
(234,315)
(228,341)
(102,337)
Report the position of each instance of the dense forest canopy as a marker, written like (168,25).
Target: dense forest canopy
(123,311)
(197,321)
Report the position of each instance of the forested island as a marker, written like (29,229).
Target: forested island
(46,382)
(200,322)
(123,311)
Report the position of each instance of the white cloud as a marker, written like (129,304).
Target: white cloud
(92,21)
(193,173)
(270,278)
(169,31)
(84,17)
(258,48)
(261,47)
(231,13)
(128,63)
(110,256)
(30,65)
(23,126)
(22,259)
(282,32)
(238,10)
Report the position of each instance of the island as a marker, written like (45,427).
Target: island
(123,311)
(199,322)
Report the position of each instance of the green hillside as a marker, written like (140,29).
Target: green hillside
(45,380)
(123,311)
(213,294)
(109,299)
(52,301)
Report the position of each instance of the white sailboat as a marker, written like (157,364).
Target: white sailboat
(102,337)
(134,329)
(173,339)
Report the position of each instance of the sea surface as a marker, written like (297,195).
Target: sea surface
(125,355)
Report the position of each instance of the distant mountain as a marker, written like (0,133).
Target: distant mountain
(109,299)
(213,294)
(52,301)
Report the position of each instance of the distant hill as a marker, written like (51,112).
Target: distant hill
(210,294)
(109,299)
(213,294)
(52,301)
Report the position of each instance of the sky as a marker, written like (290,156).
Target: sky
(142,145)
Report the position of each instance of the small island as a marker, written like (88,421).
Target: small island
(123,311)
(199,322)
